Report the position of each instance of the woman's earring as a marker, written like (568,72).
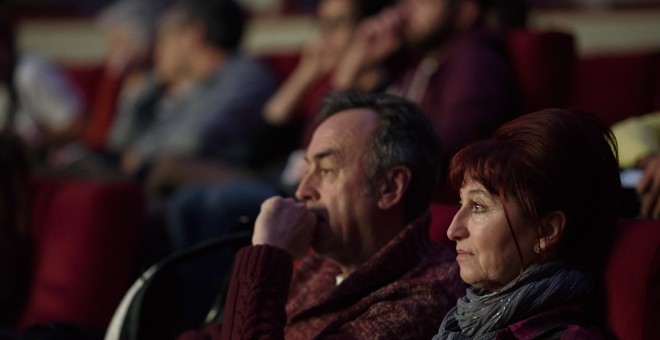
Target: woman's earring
(537,249)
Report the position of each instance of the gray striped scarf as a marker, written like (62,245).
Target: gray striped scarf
(480,314)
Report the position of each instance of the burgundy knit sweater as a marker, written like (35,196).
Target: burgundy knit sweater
(402,292)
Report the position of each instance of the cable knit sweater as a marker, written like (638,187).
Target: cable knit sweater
(402,292)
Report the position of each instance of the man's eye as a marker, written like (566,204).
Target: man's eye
(325,171)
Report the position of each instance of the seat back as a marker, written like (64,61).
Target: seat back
(441,217)
(616,86)
(85,238)
(632,281)
(543,63)
(153,309)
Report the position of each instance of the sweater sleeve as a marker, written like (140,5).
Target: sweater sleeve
(256,300)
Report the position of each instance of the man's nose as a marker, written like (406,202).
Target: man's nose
(306,190)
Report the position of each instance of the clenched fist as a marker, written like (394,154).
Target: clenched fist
(286,224)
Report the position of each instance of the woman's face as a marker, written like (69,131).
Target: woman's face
(486,250)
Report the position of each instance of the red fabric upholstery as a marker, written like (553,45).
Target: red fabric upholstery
(102,110)
(442,215)
(543,62)
(85,239)
(100,89)
(615,87)
(656,85)
(85,78)
(632,280)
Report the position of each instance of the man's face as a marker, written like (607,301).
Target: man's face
(337,19)
(172,48)
(335,184)
(425,22)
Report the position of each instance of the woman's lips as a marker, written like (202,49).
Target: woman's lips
(461,254)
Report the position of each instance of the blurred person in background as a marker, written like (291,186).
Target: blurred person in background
(128,27)
(639,151)
(336,20)
(441,55)
(218,122)
(130,31)
(37,100)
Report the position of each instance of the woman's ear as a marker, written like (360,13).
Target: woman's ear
(393,186)
(552,227)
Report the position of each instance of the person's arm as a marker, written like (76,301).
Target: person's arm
(50,98)
(259,286)
(256,299)
(313,65)
(648,188)
(375,39)
(637,137)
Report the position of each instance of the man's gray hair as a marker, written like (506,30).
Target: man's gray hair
(404,136)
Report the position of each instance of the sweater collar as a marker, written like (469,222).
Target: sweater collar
(397,257)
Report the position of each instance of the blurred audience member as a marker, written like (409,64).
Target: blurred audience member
(337,20)
(37,100)
(14,245)
(219,116)
(437,54)
(129,27)
(639,147)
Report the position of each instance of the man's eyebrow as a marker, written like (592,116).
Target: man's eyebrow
(322,154)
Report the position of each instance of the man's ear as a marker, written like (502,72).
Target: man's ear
(393,186)
(552,227)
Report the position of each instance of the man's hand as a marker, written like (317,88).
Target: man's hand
(286,224)
(648,187)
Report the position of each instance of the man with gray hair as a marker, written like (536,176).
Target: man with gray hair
(362,207)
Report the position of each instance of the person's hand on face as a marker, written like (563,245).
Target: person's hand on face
(286,224)
(375,39)
(648,187)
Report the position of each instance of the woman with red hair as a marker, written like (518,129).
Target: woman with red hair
(539,203)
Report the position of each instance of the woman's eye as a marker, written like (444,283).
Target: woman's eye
(478,208)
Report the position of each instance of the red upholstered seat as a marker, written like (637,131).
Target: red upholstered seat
(85,239)
(618,86)
(543,62)
(632,281)
(441,214)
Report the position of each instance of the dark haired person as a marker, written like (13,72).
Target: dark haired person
(362,206)
(441,55)
(533,229)
(219,116)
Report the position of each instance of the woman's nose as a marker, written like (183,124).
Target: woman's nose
(457,230)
